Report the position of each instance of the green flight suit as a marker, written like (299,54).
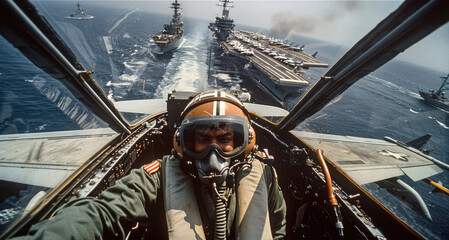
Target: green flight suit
(137,197)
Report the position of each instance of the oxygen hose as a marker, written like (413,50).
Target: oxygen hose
(332,199)
(220,212)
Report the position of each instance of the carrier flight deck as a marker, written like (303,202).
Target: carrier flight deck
(274,65)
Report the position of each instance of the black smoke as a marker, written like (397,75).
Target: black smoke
(284,22)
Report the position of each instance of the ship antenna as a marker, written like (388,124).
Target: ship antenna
(443,85)
(226,4)
(176,14)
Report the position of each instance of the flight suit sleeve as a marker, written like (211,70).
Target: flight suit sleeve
(110,216)
(276,205)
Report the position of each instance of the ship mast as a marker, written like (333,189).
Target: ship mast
(443,86)
(223,25)
(175,26)
(225,12)
(176,14)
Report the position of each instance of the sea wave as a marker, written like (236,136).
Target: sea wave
(442,124)
(413,111)
(394,86)
(187,71)
(439,122)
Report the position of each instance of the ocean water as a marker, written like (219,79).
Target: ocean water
(115,46)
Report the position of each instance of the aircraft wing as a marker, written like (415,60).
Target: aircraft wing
(153,106)
(265,110)
(367,160)
(37,158)
(144,106)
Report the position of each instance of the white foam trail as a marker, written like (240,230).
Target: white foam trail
(394,86)
(121,20)
(136,68)
(187,71)
(442,124)
(122,84)
(126,77)
(182,43)
(413,111)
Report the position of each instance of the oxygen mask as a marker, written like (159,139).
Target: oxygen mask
(213,168)
(213,142)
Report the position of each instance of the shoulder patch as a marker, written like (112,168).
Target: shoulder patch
(152,167)
(262,154)
(265,156)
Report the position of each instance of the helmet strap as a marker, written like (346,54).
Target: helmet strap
(186,164)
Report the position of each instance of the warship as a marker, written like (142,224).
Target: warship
(437,98)
(80,13)
(274,65)
(171,38)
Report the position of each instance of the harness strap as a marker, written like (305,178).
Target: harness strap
(181,208)
(183,214)
(253,221)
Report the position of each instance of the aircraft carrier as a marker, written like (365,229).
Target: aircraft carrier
(273,64)
(172,37)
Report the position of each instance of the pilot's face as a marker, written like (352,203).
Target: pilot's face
(224,138)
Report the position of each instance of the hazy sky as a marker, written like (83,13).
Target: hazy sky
(343,22)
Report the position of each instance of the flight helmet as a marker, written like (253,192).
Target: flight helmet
(209,117)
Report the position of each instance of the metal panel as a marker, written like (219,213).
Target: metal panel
(145,106)
(45,159)
(420,172)
(38,175)
(369,160)
(373,174)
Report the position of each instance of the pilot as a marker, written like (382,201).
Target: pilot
(214,185)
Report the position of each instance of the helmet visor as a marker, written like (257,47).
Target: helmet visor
(227,134)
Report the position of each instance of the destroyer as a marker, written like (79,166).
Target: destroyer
(437,98)
(272,63)
(171,38)
(80,13)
